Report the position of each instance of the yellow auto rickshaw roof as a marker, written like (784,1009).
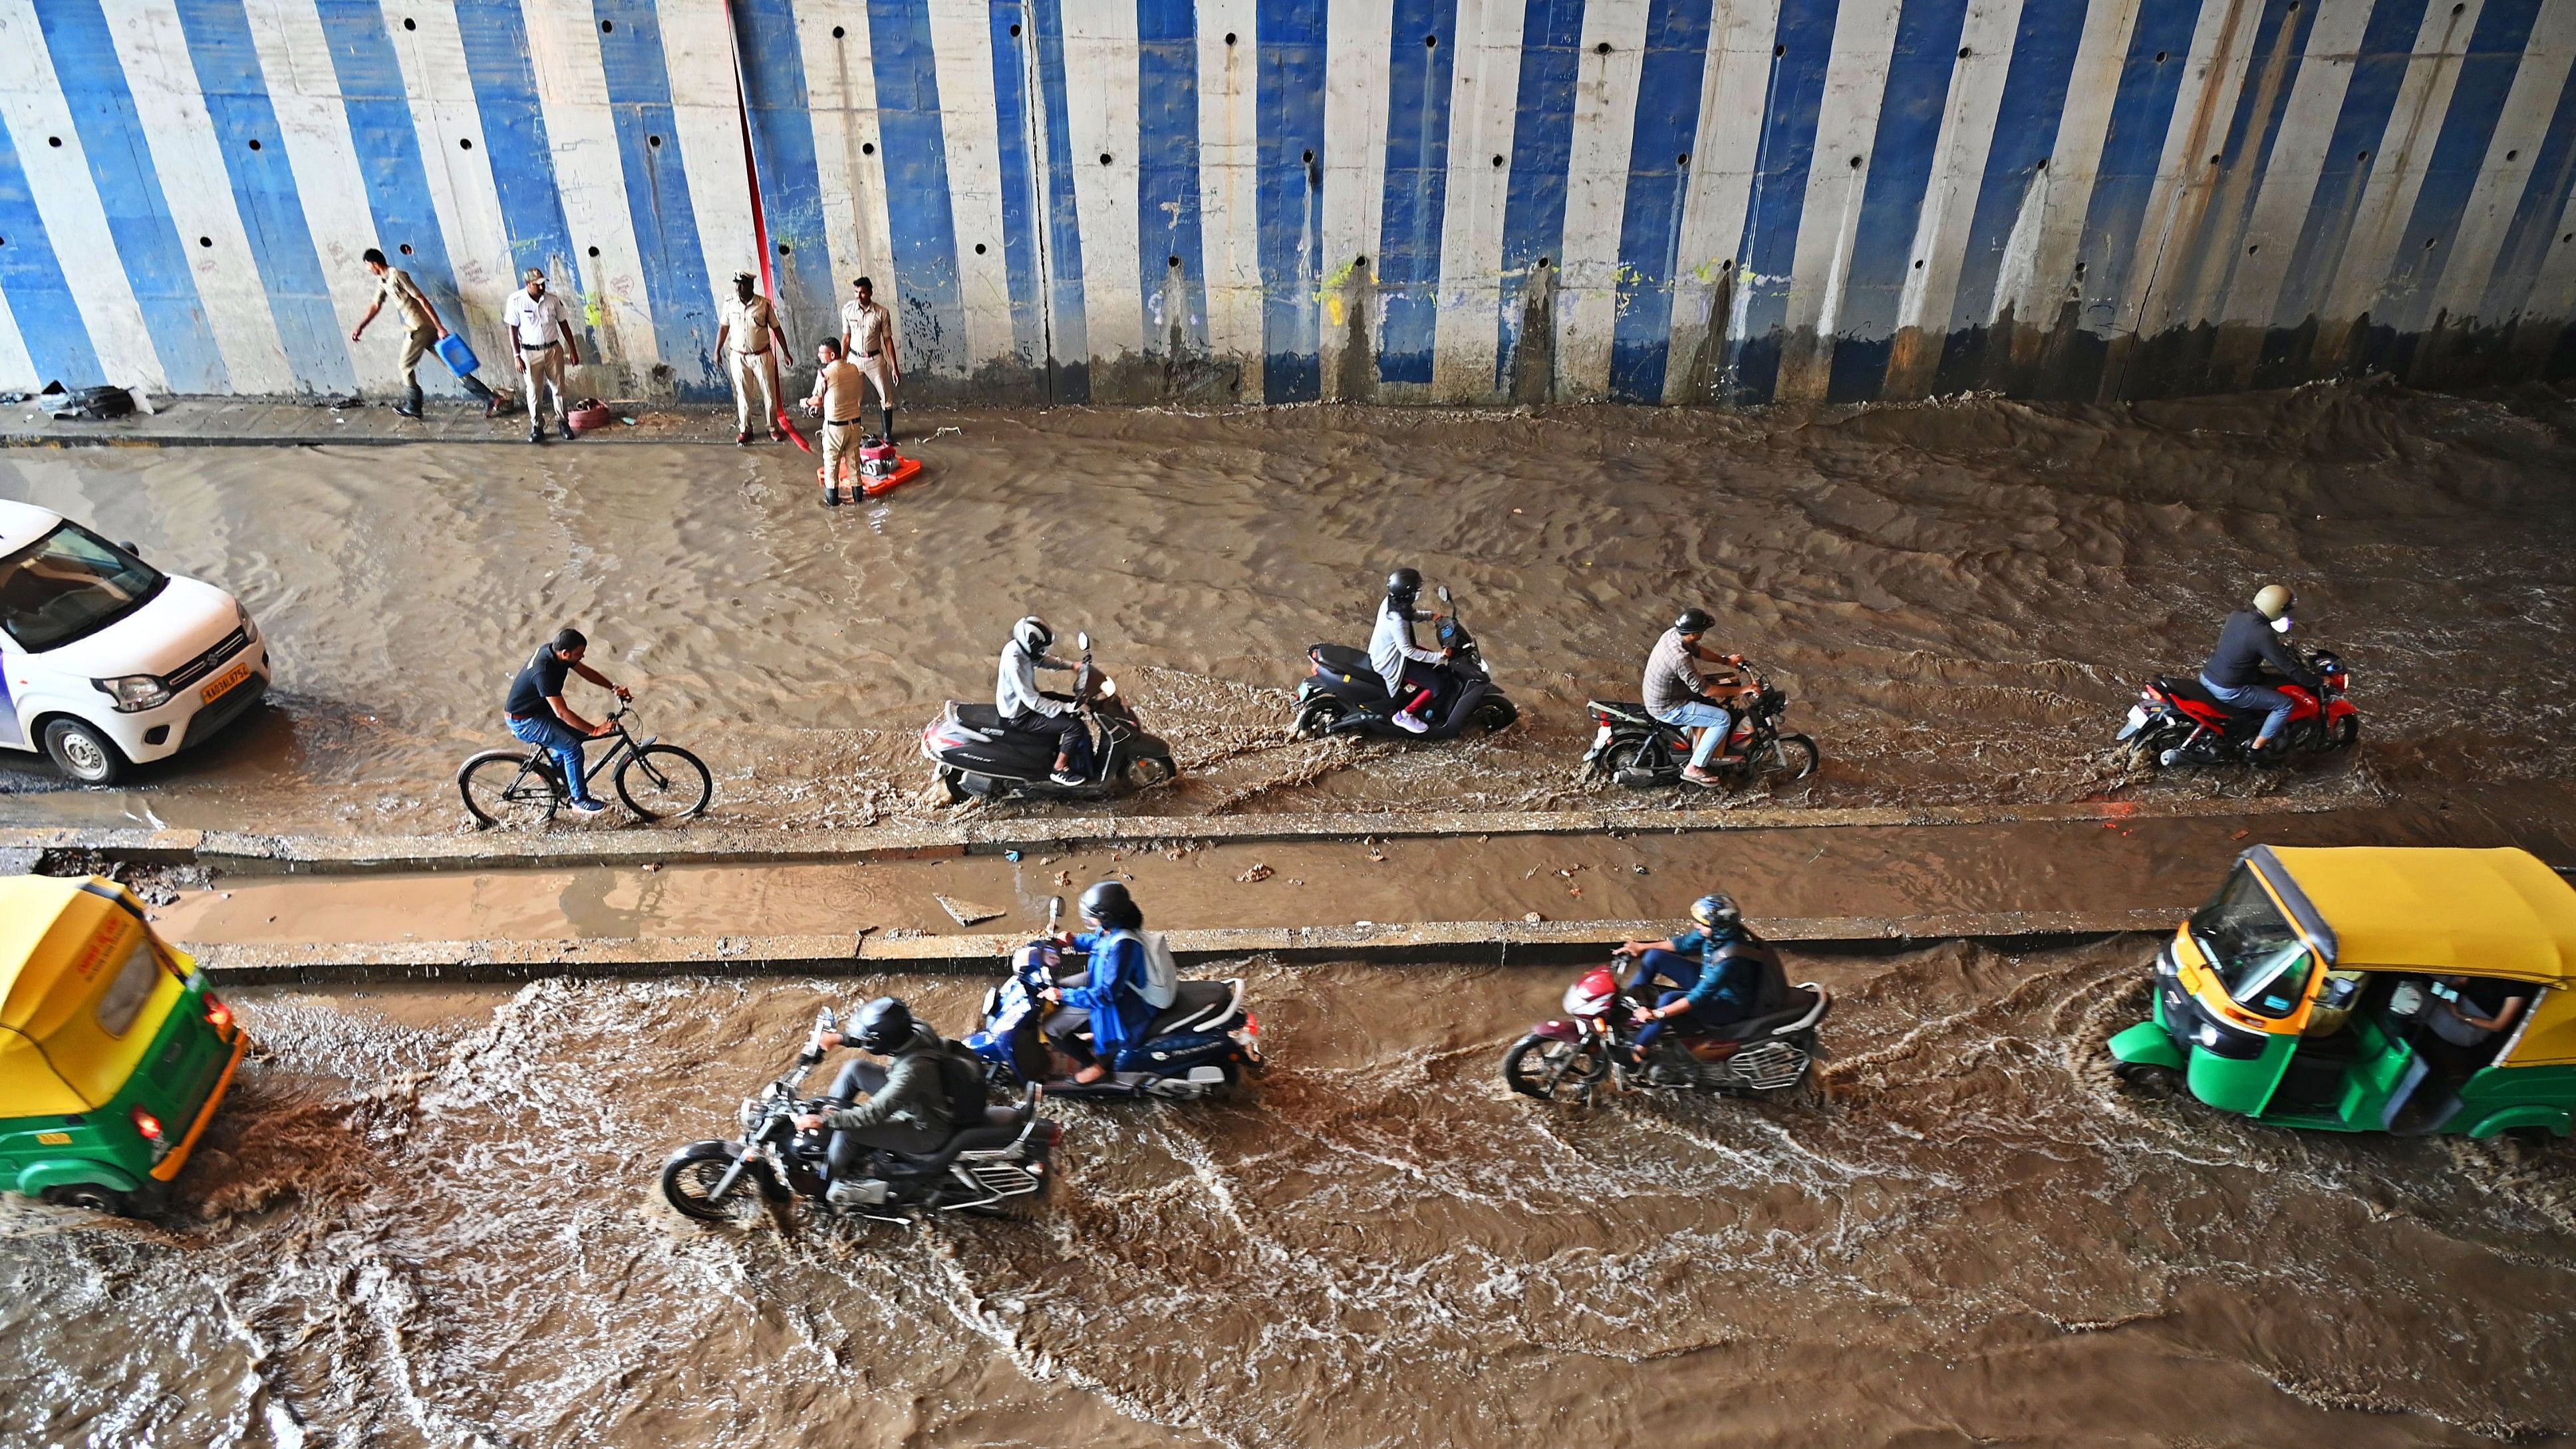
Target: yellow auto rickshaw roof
(2392,908)
(48,927)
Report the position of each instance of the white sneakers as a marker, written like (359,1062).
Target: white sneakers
(1410,723)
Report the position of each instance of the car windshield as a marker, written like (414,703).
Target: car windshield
(2259,958)
(68,584)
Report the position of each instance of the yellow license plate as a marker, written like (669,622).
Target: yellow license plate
(223,683)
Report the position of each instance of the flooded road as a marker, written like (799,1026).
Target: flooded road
(429,1220)
(1958,596)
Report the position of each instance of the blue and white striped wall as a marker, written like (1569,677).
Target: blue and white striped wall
(1399,200)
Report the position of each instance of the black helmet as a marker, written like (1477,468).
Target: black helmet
(882,1025)
(1107,902)
(1403,584)
(1716,912)
(1694,621)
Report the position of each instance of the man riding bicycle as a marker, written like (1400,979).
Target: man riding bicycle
(538,715)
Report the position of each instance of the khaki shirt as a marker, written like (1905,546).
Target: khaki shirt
(838,384)
(869,326)
(750,322)
(397,287)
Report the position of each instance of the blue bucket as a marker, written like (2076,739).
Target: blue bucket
(459,358)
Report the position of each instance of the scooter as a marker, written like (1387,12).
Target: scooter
(1641,752)
(972,752)
(1344,695)
(2177,722)
(993,1168)
(1762,1056)
(1198,1046)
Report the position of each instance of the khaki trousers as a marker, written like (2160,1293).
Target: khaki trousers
(415,345)
(840,451)
(754,376)
(544,369)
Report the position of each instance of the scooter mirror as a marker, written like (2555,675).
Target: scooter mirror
(1055,912)
(1444,593)
(1082,641)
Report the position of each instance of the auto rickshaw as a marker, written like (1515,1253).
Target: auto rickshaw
(2344,989)
(113,1054)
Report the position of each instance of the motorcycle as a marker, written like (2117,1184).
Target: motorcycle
(1762,1056)
(1345,695)
(1198,1046)
(993,1168)
(1642,752)
(2177,722)
(973,752)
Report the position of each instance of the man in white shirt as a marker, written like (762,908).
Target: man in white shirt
(867,340)
(744,331)
(541,331)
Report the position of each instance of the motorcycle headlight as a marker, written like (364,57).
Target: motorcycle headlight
(133,692)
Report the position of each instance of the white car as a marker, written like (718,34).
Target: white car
(105,661)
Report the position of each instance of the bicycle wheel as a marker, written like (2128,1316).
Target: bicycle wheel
(502,788)
(659,782)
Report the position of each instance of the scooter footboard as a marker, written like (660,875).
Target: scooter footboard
(1168,1054)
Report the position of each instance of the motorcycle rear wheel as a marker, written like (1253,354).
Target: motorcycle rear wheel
(689,1182)
(1552,1070)
(1317,716)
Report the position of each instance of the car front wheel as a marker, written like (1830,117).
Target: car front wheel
(80,751)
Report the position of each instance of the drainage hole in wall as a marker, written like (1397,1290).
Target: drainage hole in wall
(409,24)
(53,140)
(2510,155)
(594,251)
(1176,263)
(1918,264)
(607,27)
(1229,37)
(783,249)
(1310,158)
(2256,247)
(464,143)
(1431,42)
(2160,57)
(868,148)
(2213,160)
(1963,52)
(653,141)
(1104,158)
(1498,160)
(1682,159)
(1602,49)
(1359,261)
(205,241)
(979,249)
(254,143)
(838,32)
(405,249)
(1015,30)
(2430,242)
(2364,156)
(1777,51)
(1855,163)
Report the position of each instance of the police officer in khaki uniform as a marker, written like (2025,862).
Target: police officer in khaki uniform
(837,398)
(422,329)
(745,330)
(867,340)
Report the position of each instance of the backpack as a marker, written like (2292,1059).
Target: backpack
(1162,973)
(963,1078)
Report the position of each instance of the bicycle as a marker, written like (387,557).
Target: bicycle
(657,781)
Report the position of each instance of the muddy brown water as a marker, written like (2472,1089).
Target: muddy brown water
(428,1219)
(1959,596)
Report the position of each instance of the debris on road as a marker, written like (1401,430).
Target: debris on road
(966,913)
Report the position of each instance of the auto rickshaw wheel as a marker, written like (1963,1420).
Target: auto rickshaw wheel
(88,1196)
(2150,1079)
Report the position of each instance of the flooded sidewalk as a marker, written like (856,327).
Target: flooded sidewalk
(1959,597)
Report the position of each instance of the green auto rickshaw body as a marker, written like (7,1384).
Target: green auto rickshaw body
(113,1054)
(2296,995)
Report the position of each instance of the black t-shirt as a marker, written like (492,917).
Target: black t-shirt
(540,679)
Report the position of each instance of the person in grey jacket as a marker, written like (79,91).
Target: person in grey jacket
(907,1106)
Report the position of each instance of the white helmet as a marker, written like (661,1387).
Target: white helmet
(1032,634)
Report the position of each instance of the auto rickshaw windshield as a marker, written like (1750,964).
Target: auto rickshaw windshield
(2262,961)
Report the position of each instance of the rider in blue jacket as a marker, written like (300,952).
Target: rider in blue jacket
(1110,1003)
(1715,970)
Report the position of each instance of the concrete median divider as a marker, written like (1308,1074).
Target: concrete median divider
(714,843)
(1513,943)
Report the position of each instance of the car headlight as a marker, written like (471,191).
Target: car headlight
(250,630)
(133,692)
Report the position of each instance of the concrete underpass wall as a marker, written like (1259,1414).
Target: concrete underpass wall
(1391,200)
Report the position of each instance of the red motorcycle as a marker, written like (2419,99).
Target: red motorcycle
(2177,722)
(1763,1055)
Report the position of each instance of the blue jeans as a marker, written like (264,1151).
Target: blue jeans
(2253,697)
(557,739)
(1695,714)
